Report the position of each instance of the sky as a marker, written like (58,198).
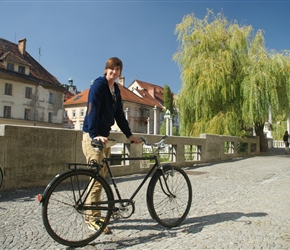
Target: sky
(74,39)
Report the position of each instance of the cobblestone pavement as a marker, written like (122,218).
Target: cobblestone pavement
(238,204)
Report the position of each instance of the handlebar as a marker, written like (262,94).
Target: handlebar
(158,145)
(100,145)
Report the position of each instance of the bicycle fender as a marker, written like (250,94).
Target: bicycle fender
(41,197)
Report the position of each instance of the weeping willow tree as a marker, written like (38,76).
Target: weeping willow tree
(229,79)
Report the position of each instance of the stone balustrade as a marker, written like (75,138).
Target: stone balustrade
(32,156)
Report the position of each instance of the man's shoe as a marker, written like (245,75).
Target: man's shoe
(96,226)
(87,219)
(107,231)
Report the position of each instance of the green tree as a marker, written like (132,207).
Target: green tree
(168,100)
(163,129)
(229,79)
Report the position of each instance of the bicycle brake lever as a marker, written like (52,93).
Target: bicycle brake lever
(143,139)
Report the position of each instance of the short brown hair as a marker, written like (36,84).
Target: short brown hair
(113,62)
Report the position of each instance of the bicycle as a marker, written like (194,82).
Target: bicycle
(169,197)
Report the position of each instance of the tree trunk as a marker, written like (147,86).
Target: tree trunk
(259,129)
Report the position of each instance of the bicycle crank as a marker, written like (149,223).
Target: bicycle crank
(126,209)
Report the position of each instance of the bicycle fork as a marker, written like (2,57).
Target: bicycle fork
(166,189)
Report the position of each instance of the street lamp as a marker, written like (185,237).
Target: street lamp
(278,123)
(167,116)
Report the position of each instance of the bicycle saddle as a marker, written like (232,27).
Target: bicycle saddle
(97,144)
(100,145)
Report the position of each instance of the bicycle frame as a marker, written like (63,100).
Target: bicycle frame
(153,168)
(81,201)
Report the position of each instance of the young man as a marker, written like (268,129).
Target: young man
(104,107)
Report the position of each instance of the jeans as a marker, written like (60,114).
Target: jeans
(92,154)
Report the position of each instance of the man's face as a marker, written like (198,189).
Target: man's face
(113,73)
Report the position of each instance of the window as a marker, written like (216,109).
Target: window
(8,89)
(82,112)
(51,98)
(7,112)
(142,128)
(21,69)
(10,66)
(50,117)
(136,127)
(28,92)
(145,113)
(27,114)
(137,113)
(65,114)
(73,113)
(161,116)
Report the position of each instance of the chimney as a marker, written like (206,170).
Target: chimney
(152,91)
(121,80)
(22,46)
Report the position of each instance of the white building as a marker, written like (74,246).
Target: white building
(29,94)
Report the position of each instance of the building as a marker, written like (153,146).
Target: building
(71,89)
(154,94)
(143,112)
(74,110)
(29,94)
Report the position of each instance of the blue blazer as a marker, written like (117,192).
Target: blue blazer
(103,109)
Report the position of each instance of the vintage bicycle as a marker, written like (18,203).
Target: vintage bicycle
(169,197)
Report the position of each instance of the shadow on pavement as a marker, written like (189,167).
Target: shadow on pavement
(200,222)
(190,225)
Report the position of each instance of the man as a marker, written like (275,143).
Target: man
(286,141)
(104,107)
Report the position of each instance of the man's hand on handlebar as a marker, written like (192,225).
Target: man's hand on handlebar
(135,140)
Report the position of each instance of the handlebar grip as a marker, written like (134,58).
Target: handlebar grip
(143,139)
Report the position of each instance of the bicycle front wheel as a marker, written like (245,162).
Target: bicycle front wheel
(169,196)
(63,208)
(1,176)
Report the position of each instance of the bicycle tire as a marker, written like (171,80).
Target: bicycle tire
(1,176)
(169,210)
(65,222)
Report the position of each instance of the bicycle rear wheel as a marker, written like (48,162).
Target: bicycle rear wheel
(63,212)
(169,196)
(1,176)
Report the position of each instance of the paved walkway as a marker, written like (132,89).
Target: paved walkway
(238,204)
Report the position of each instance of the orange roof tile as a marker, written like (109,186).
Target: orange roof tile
(129,96)
(152,92)
(79,98)
(150,99)
(126,94)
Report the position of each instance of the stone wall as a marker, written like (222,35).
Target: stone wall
(32,156)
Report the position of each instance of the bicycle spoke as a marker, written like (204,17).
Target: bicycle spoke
(64,212)
(169,196)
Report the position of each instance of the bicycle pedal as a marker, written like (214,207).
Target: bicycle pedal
(116,215)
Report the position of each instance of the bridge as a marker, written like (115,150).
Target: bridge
(238,203)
